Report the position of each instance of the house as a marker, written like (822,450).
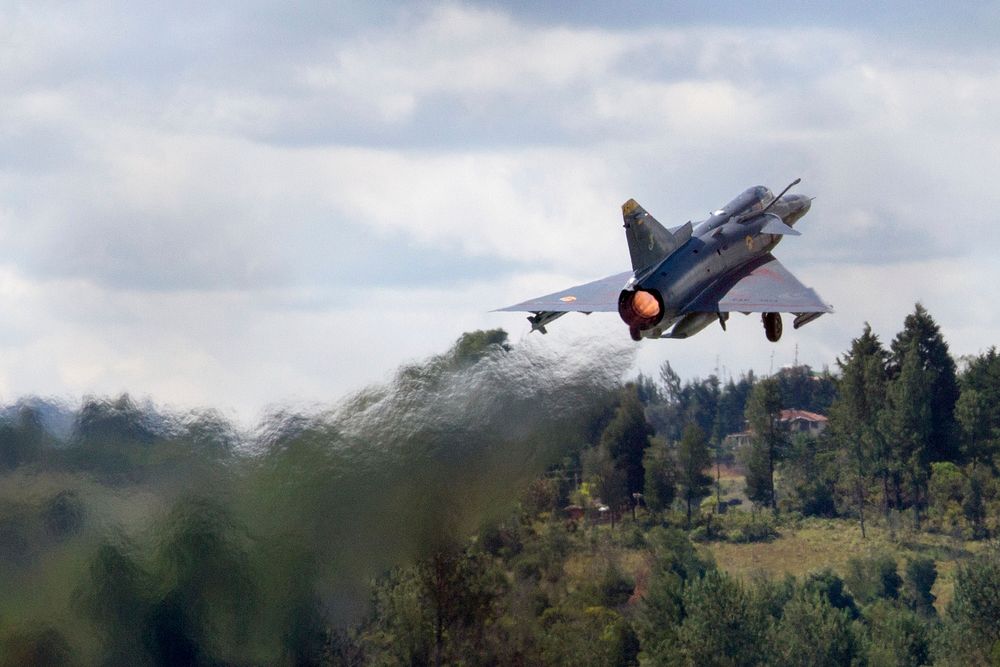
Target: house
(794,421)
(803,421)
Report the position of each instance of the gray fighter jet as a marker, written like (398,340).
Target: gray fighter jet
(685,278)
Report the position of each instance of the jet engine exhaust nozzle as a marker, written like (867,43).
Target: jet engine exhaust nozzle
(640,309)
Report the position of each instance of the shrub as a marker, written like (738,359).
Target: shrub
(872,578)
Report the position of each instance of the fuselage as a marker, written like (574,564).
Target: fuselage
(729,239)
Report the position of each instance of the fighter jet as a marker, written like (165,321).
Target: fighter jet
(685,278)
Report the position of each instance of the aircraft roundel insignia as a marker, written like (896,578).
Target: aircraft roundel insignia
(568,299)
(749,242)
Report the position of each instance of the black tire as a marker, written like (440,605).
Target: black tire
(772,326)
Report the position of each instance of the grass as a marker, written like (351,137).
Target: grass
(815,544)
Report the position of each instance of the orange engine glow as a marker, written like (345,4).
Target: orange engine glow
(645,305)
(640,309)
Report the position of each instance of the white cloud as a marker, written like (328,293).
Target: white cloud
(191,213)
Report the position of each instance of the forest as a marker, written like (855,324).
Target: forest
(511,504)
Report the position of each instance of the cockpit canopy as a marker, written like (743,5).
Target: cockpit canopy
(750,200)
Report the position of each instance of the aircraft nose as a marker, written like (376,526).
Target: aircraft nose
(798,206)
(801,204)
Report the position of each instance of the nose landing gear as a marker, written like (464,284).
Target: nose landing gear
(772,326)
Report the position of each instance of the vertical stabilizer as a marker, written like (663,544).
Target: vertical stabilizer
(648,240)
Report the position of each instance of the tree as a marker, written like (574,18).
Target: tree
(921,333)
(809,472)
(732,404)
(22,439)
(460,590)
(674,562)
(921,573)
(972,623)
(608,479)
(626,439)
(855,415)
(767,444)
(813,633)
(973,507)
(722,625)
(830,587)
(872,578)
(972,412)
(115,598)
(206,612)
(693,401)
(802,388)
(693,459)
(978,408)
(896,636)
(908,422)
(661,477)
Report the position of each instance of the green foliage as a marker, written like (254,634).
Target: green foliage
(895,636)
(611,588)
(22,439)
(972,413)
(803,389)
(209,596)
(63,514)
(542,495)
(809,474)
(973,507)
(608,480)
(270,561)
(922,335)
(768,443)
(693,402)
(873,578)
(908,423)
(971,630)
(113,438)
(812,633)
(830,587)
(921,573)
(692,460)
(978,407)
(116,598)
(721,626)
(590,637)
(401,629)
(626,439)
(856,416)
(661,477)
(501,538)
(674,562)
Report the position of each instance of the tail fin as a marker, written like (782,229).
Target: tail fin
(648,240)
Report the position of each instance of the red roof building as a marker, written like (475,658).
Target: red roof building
(803,421)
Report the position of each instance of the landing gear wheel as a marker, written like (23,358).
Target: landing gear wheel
(772,326)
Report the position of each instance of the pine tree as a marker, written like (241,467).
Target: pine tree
(972,412)
(855,414)
(922,333)
(692,460)
(661,477)
(768,443)
(626,439)
(908,423)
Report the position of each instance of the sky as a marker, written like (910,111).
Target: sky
(245,205)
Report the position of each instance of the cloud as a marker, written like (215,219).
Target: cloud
(247,189)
